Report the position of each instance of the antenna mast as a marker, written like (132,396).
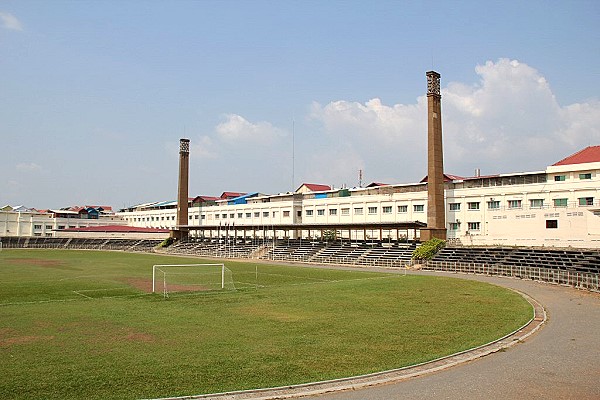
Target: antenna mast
(360,178)
(293,152)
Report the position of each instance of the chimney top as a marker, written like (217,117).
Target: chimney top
(433,83)
(184,145)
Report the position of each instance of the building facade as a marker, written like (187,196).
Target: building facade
(558,207)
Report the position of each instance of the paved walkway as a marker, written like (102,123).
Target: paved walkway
(561,361)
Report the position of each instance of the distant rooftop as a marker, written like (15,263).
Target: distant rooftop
(588,155)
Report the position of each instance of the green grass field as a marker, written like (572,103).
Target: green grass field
(81,325)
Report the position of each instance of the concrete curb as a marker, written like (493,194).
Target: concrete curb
(390,376)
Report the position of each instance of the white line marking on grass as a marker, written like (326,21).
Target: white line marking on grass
(81,294)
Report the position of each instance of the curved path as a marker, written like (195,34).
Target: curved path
(561,361)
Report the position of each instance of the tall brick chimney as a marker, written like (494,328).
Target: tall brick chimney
(436,209)
(180,231)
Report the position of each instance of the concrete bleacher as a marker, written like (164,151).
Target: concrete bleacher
(574,260)
(339,252)
(139,245)
(220,248)
(390,254)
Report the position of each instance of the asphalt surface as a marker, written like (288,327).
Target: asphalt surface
(560,361)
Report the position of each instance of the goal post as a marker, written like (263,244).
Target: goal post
(172,278)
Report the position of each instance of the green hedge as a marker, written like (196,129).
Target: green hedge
(427,250)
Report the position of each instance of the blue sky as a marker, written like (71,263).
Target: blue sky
(94,95)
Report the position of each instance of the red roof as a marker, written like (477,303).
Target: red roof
(231,195)
(116,228)
(587,155)
(448,178)
(315,187)
(376,184)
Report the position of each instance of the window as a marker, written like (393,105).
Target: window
(203,216)
(402,209)
(372,210)
(453,226)
(48,226)
(345,211)
(454,206)
(419,208)
(560,178)
(240,215)
(493,205)
(358,211)
(232,215)
(585,176)
(473,205)
(266,214)
(536,203)
(248,215)
(551,224)
(224,216)
(387,209)
(196,216)
(321,212)
(256,214)
(474,226)
(286,214)
(216,216)
(309,213)
(514,203)
(333,211)
(37,227)
(586,201)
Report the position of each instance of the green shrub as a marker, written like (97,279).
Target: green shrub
(167,242)
(427,250)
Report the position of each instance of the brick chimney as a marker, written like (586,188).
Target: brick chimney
(181,231)
(436,209)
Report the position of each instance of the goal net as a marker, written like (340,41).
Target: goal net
(176,278)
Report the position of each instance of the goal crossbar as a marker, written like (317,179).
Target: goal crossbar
(164,267)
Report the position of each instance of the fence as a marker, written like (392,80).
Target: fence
(580,280)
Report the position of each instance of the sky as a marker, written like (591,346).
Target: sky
(95,95)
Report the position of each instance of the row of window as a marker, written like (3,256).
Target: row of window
(472,205)
(370,210)
(533,203)
(476,226)
(562,178)
(40,226)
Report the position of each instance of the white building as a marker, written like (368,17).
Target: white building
(20,221)
(558,207)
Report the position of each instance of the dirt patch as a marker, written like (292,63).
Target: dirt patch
(140,337)
(8,342)
(145,285)
(40,262)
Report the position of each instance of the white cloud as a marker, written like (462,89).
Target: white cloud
(508,121)
(237,128)
(204,148)
(9,21)
(28,167)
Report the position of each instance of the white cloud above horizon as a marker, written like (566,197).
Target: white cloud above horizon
(10,22)
(510,117)
(237,128)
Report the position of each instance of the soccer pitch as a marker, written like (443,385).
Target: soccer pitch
(83,324)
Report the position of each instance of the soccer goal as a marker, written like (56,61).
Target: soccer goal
(176,278)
